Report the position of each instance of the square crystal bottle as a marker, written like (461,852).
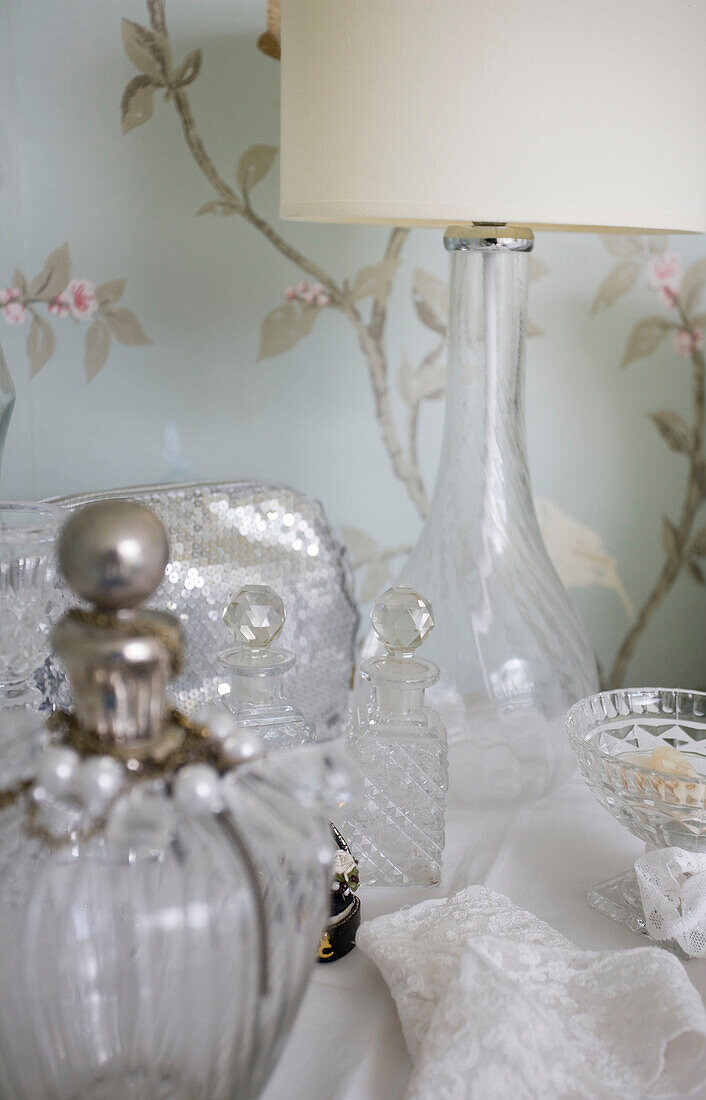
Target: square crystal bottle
(400,747)
(255,616)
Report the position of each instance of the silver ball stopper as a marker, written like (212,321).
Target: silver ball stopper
(113,553)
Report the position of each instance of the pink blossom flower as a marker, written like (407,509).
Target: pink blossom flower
(81,298)
(12,307)
(310,296)
(61,305)
(688,340)
(665,277)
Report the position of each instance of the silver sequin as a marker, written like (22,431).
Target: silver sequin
(224,535)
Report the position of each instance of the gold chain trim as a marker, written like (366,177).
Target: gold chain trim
(192,746)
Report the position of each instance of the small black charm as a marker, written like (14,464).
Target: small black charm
(339,934)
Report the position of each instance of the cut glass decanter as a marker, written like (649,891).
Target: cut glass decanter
(255,667)
(163,884)
(399,745)
(512,652)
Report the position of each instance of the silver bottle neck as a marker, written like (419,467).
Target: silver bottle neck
(482,237)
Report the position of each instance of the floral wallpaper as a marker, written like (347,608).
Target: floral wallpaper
(55,291)
(315,355)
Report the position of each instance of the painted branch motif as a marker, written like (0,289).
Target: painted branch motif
(684,547)
(363,299)
(363,302)
(53,291)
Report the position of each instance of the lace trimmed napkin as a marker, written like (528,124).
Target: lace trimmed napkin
(673,890)
(495,1004)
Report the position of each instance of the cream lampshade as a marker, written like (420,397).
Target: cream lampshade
(496,116)
(572,114)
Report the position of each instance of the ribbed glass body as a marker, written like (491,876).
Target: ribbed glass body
(512,651)
(144,963)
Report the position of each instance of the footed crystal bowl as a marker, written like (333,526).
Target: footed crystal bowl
(642,751)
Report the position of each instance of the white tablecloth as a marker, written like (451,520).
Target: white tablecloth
(346,1043)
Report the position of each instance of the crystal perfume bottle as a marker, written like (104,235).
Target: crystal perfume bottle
(255,616)
(399,744)
(163,885)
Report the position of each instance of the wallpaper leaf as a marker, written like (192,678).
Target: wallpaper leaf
(284,327)
(619,281)
(125,327)
(371,561)
(673,428)
(696,572)
(107,294)
(620,245)
(54,276)
(97,346)
(431,300)
(578,553)
(693,284)
(20,282)
(373,280)
(645,338)
(41,342)
(537,267)
(147,49)
(426,383)
(137,103)
(189,69)
(254,165)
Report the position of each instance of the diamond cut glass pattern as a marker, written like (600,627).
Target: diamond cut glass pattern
(614,733)
(402,619)
(255,616)
(399,745)
(27,536)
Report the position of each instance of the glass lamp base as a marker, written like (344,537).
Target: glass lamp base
(619,898)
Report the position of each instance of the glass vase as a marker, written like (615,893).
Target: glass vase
(512,651)
(27,536)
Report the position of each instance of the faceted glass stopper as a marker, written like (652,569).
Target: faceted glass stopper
(255,616)
(402,619)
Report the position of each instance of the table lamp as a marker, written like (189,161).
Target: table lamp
(492,118)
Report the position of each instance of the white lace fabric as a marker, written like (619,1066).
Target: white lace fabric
(497,1005)
(673,890)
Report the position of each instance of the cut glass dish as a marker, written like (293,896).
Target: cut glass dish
(615,735)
